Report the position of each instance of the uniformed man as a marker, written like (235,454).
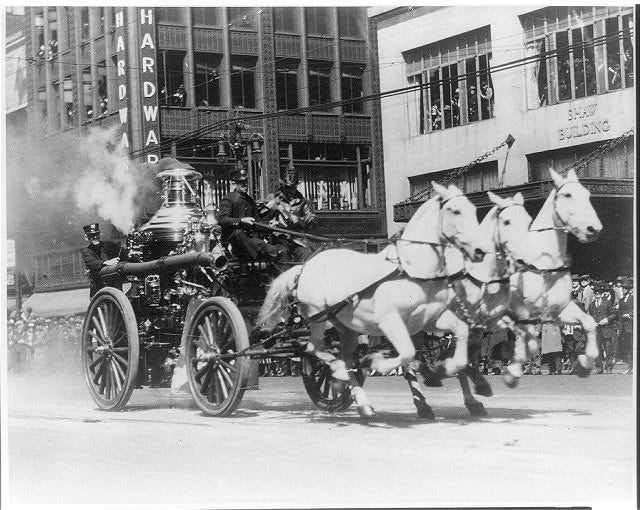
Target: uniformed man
(585,292)
(626,309)
(291,210)
(603,311)
(98,255)
(237,214)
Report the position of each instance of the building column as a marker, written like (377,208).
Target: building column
(79,96)
(303,68)
(48,76)
(134,89)
(225,89)
(189,64)
(266,64)
(112,89)
(34,106)
(60,15)
(336,74)
(94,23)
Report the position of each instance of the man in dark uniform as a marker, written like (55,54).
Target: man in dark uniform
(98,255)
(626,310)
(602,309)
(238,211)
(291,210)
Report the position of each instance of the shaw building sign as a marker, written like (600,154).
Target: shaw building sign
(583,122)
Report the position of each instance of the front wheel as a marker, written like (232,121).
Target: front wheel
(110,349)
(215,333)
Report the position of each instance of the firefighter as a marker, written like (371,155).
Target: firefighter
(291,210)
(238,212)
(98,255)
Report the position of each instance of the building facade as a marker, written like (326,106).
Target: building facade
(560,80)
(170,77)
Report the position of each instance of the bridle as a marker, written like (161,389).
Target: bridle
(556,214)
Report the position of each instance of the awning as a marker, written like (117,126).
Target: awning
(59,303)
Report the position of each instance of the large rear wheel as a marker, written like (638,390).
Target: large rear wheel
(217,378)
(110,349)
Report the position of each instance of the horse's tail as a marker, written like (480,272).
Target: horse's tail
(276,303)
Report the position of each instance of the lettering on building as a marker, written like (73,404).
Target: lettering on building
(584,121)
(148,79)
(121,75)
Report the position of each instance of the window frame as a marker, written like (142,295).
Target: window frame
(287,71)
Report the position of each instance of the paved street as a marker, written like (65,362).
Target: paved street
(555,440)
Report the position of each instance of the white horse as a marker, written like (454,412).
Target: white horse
(480,296)
(365,294)
(544,292)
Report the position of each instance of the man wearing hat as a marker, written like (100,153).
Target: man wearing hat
(603,311)
(98,255)
(585,292)
(238,211)
(626,310)
(291,210)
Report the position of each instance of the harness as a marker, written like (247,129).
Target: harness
(331,311)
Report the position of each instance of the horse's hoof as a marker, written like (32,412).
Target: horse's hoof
(483,389)
(583,367)
(431,377)
(425,412)
(339,370)
(477,410)
(366,411)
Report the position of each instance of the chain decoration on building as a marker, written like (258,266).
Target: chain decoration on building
(600,151)
(454,174)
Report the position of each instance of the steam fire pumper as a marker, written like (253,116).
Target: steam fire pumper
(182,296)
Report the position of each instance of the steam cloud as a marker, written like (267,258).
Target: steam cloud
(57,184)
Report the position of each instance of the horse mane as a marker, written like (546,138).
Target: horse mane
(423,226)
(487,224)
(544,218)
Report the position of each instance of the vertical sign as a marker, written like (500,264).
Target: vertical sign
(11,254)
(121,74)
(148,79)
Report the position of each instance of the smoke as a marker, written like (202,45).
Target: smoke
(57,184)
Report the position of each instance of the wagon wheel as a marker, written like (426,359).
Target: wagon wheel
(319,384)
(110,349)
(217,379)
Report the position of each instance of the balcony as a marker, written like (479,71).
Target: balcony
(287,46)
(320,48)
(172,37)
(208,39)
(353,51)
(176,121)
(244,43)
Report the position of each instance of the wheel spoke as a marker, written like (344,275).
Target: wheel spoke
(95,363)
(206,381)
(120,338)
(222,370)
(320,380)
(118,368)
(99,372)
(103,322)
(120,359)
(103,378)
(116,377)
(211,394)
(230,369)
(201,371)
(212,336)
(327,387)
(223,385)
(203,337)
(120,349)
(96,334)
(99,328)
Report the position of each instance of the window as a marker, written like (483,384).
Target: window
(582,67)
(352,22)
(456,81)
(171,78)
(329,176)
(84,23)
(481,177)
(169,15)
(615,164)
(287,86)
(243,82)
(103,93)
(319,83)
(206,16)
(318,20)
(242,17)
(351,81)
(284,19)
(87,93)
(207,79)
(68,99)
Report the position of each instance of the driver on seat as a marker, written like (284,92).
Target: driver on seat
(237,215)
